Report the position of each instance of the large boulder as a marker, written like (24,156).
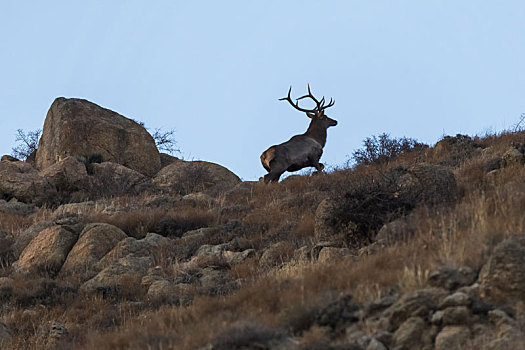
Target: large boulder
(503,276)
(186,177)
(428,183)
(76,127)
(113,178)
(68,174)
(126,273)
(95,241)
(21,181)
(47,252)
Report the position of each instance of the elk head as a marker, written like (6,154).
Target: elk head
(320,121)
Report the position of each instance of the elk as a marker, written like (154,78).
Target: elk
(302,150)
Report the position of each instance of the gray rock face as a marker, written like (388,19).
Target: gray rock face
(418,303)
(503,276)
(187,177)
(76,127)
(115,178)
(23,182)
(67,175)
(326,223)
(514,155)
(399,230)
(95,241)
(127,272)
(410,334)
(431,184)
(452,338)
(16,208)
(451,278)
(47,251)
(146,247)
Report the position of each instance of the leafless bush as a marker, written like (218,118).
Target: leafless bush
(165,140)
(383,148)
(28,143)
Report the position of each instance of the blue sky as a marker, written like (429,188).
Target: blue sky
(214,70)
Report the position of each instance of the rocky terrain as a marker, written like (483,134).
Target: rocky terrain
(105,243)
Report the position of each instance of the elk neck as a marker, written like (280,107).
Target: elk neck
(317,131)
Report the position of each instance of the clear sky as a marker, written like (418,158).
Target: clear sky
(213,70)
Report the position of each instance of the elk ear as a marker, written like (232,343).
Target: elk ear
(310,115)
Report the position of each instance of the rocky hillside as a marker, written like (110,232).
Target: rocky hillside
(107,244)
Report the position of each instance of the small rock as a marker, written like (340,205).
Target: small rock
(456,299)
(451,278)
(128,270)
(502,278)
(399,230)
(418,303)
(163,288)
(326,223)
(154,274)
(14,207)
(410,334)
(456,315)
(499,317)
(233,258)
(437,317)
(452,338)
(278,253)
(513,155)
(57,332)
(328,254)
(384,337)
(375,344)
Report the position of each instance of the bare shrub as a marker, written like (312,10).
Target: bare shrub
(165,140)
(383,148)
(28,143)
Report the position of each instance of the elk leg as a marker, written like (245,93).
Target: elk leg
(318,166)
(272,176)
(275,172)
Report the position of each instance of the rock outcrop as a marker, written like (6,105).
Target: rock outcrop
(187,177)
(76,127)
(21,181)
(503,276)
(46,253)
(67,175)
(95,241)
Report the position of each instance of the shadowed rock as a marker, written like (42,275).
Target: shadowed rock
(76,127)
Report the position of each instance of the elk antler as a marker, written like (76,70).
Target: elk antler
(320,104)
(296,104)
(317,111)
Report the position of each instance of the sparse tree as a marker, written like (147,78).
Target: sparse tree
(520,125)
(382,148)
(27,143)
(165,140)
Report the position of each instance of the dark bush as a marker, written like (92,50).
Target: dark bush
(247,336)
(89,160)
(383,148)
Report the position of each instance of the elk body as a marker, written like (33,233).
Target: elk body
(302,150)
